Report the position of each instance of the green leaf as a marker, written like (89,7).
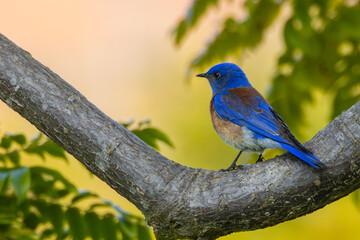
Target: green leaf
(82,196)
(56,176)
(54,149)
(14,158)
(42,184)
(195,12)
(62,193)
(180,31)
(97,205)
(36,147)
(157,134)
(144,232)
(128,229)
(128,123)
(151,135)
(19,138)
(33,148)
(56,216)
(76,223)
(146,138)
(43,208)
(2,158)
(47,233)
(109,227)
(20,180)
(31,220)
(3,178)
(93,225)
(37,138)
(8,210)
(145,122)
(5,142)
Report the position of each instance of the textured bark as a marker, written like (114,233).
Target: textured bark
(179,201)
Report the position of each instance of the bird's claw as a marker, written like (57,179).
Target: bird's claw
(239,166)
(232,167)
(260,159)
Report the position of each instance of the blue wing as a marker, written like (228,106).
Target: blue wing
(246,107)
(253,113)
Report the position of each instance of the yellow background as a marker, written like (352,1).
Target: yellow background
(121,56)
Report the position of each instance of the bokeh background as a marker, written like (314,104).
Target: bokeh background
(121,55)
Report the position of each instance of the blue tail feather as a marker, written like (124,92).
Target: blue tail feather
(307,157)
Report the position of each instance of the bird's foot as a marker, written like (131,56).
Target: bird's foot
(232,167)
(260,159)
(239,166)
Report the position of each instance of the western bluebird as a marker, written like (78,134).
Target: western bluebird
(245,120)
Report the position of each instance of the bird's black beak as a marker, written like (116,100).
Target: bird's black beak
(204,75)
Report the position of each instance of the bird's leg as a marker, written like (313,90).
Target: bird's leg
(260,159)
(233,165)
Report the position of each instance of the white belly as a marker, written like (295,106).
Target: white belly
(241,138)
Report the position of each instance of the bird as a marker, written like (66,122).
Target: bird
(245,120)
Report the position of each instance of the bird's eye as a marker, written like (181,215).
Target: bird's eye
(217,75)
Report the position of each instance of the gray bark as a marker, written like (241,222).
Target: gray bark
(179,201)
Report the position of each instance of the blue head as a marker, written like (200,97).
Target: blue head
(225,76)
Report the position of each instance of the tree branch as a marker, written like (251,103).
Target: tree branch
(179,201)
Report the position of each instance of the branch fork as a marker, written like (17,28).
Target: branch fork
(178,201)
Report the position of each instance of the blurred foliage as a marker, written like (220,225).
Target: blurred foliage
(40,203)
(322,46)
(148,134)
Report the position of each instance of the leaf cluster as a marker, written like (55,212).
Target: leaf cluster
(40,203)
(150,135)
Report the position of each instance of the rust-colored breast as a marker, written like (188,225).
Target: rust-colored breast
(229,132)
